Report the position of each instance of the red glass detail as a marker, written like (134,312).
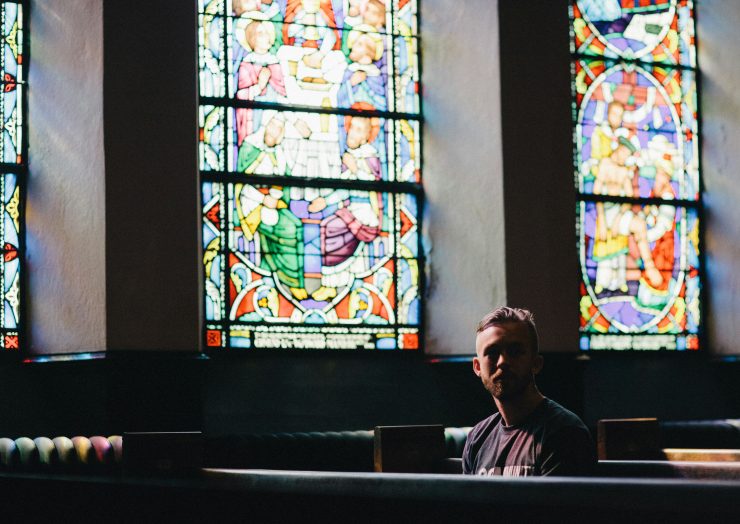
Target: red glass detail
(213,213)
(213,338)
(11,341)
(410,341)
(10,82)
(406,223)
(11,252)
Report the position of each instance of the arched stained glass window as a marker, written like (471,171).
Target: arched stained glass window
(637,173)
(311,177)
(14,166)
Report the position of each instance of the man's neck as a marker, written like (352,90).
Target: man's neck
(516,410)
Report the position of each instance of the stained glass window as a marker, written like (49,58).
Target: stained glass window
(637,174)
(310,155)
(13,165)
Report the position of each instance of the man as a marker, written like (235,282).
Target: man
(530,435)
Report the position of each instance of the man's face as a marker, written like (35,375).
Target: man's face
(505,360)
(358,131)
(274,132)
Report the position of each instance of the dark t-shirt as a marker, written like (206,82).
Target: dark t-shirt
(551,441)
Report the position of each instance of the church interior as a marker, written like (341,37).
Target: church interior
(112,308)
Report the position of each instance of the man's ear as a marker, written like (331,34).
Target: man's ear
(476,366)
(538,363)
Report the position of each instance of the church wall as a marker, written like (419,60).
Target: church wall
(152,192)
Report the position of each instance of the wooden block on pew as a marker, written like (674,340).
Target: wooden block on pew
(629,439)
(162,453)
(701,455)
(409,449)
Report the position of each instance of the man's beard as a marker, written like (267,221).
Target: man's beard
(509,387)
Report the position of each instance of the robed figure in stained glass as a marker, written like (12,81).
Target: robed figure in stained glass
(280,232)
(345,234)
(363,80)
(260,76)
(616,222)
(262,152)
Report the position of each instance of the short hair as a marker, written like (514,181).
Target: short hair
(504,314)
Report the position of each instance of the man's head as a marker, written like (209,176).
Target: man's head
(507,352)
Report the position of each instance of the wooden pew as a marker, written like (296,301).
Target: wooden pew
(409,449)
(640,439)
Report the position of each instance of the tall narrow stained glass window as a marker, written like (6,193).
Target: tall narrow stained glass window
(637,173)
(311,177)
(14,167)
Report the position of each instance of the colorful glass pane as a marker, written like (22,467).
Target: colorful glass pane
(211,47)
(313,55)
(405,17)
(651,31)
(310,145)
(12,160)
(407,75)
(319,14)
(640,267)
(640,119)
(11,110)
(310,214)
(318,256)
(636,134)
(353,70)
(212,138)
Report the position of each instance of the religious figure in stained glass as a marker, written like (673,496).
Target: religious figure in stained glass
(280,234)
(260,76)
(363,80)
(347,234)
(637,174)
(262,151)
(310,218)
(312,252)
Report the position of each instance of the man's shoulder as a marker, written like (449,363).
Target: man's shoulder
(483,428)
(559,417)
